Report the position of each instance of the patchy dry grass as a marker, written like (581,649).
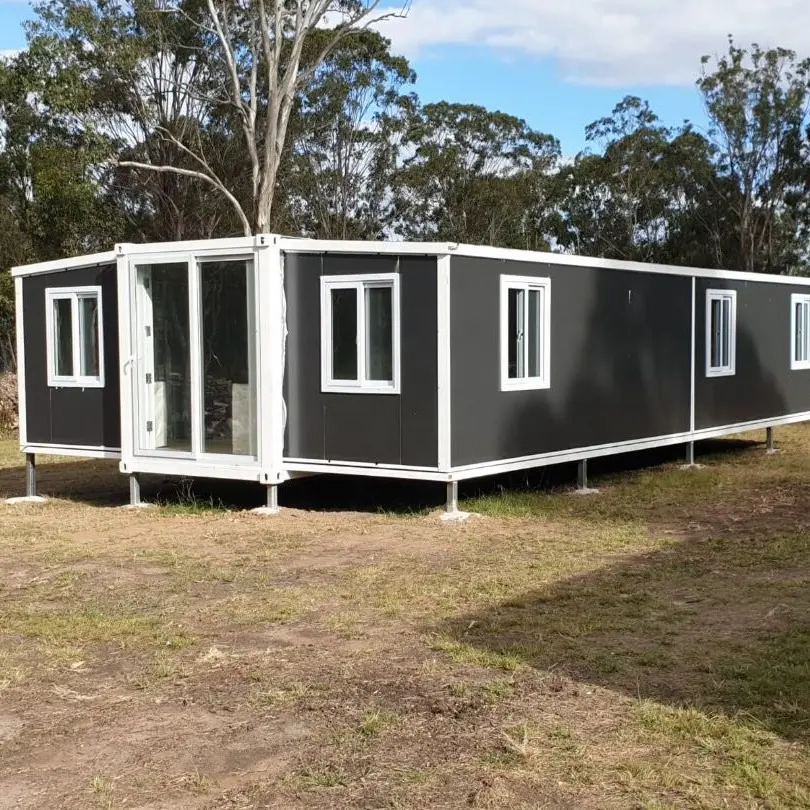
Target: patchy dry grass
(645,648)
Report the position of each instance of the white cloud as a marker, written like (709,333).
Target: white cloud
(605,42)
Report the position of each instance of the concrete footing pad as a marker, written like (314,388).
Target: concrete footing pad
(266,511)
(26,499)
(457,516)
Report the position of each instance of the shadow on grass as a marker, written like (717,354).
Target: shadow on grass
(721,625)
(100,483)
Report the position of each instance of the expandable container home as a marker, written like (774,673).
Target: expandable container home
(266,357)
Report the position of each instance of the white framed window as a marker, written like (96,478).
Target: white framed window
(360,335)
(525,333)
(721,333)
(75,349)
(799,332)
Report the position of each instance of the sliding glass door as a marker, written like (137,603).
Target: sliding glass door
(228,357)
(196,358)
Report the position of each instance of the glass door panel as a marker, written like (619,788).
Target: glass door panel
(227,339)
(164,352)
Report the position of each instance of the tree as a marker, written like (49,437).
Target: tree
(50,201)
(186,66)
(345,139)
(648,195)
(471,175)
(757,102)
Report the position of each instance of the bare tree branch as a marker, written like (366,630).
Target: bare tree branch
(198,175)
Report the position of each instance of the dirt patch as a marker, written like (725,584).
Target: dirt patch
(644,649)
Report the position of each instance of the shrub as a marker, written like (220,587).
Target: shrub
(9,414)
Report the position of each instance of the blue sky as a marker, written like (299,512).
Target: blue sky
(561,65)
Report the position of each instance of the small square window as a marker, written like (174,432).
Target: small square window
(721,333)
(800,332)
(525,333)
(74,347)
(360,334)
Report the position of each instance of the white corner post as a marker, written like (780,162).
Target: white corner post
(30,475)
(271,329)
(444,453)
(126,351)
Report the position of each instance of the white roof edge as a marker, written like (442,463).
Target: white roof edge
(481,251)
(306,245)
(302,245)
(74,263)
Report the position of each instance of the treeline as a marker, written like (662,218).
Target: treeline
(129,121)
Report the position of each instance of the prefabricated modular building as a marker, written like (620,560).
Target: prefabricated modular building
(266,357)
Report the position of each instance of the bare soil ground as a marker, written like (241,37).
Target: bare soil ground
(645,648)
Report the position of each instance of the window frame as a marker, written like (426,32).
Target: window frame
(359,282)
(730,369)
(74,295)
(526,283)
(795,364)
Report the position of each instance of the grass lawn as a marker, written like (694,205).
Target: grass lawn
(647,647)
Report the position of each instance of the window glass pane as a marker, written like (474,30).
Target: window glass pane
(88,336)
(798,342)
(515,334)
(379,334)
(535,336)
(170,345)
(716,331)
(344,334)
(725,353)
(63,336)
(229,409)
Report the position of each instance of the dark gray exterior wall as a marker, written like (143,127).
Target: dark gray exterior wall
(80,417)
(764,387)
(373,428)
(620,361)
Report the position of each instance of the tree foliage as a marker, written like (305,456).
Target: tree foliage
(153,120)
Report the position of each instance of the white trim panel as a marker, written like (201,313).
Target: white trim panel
(21,403)
(511,465)
(270,339)
(292,245)
(71,450)
(372,471)
(528,462)
(190,468)
(238,244)
(73,263)
(444,334)
(693,359)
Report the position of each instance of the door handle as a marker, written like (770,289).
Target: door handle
(127,363)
